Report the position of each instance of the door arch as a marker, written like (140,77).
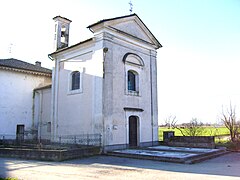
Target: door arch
(133,124)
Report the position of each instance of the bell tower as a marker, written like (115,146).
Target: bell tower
(61,33)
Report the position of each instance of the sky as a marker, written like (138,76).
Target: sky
(198,65)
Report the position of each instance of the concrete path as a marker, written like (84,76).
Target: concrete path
(107,167)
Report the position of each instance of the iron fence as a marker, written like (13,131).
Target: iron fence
(64,140)
(82,139)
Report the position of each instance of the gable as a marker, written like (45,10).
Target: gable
(130,25)
(132,28)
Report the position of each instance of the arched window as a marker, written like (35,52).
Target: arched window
(131,81)
(75,80)
(134,65)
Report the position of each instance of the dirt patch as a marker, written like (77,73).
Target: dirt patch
(231,146)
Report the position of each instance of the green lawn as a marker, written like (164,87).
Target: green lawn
(208,131)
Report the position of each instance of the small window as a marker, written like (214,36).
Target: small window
(75,80)
(131,81)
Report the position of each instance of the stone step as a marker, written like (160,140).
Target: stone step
(138,156)
(167,156)
(181,149)
(203,157)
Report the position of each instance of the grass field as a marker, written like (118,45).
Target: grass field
(208,131)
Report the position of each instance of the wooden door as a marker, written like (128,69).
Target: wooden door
(133,131)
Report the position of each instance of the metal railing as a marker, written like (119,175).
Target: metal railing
(82,139)
(64,140)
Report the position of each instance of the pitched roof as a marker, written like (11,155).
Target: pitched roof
(66,19)
(63,49)
(21,65)
(110,19)
(99,22)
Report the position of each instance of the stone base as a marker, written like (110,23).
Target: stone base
(49,155)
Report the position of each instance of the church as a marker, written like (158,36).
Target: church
(104,85)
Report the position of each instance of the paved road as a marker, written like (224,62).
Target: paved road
(106,167)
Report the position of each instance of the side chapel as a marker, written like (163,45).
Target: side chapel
(106,84)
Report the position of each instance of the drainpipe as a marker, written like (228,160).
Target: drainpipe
(33,109)
(40,116)
(34,118)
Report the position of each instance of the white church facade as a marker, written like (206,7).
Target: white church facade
(104,85)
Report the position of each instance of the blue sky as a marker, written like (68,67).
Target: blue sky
(198,66)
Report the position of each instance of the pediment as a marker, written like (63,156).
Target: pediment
(134,29)
(131,26)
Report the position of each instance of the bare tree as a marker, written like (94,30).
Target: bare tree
(230,121)
(170,121)
(193,128)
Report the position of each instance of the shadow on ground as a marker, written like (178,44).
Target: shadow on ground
(226,165)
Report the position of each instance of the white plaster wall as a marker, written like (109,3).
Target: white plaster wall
(154,94)
(16,99)
(116,97)
(42,112)
(81,113)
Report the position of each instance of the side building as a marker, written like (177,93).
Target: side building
(18,79)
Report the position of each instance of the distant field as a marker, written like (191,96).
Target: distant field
(208,131)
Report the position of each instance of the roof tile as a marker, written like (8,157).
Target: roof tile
(15,63)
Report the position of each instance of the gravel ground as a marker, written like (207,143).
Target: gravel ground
(107,167)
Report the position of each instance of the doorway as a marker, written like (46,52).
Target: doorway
(133,131)
(20,133)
